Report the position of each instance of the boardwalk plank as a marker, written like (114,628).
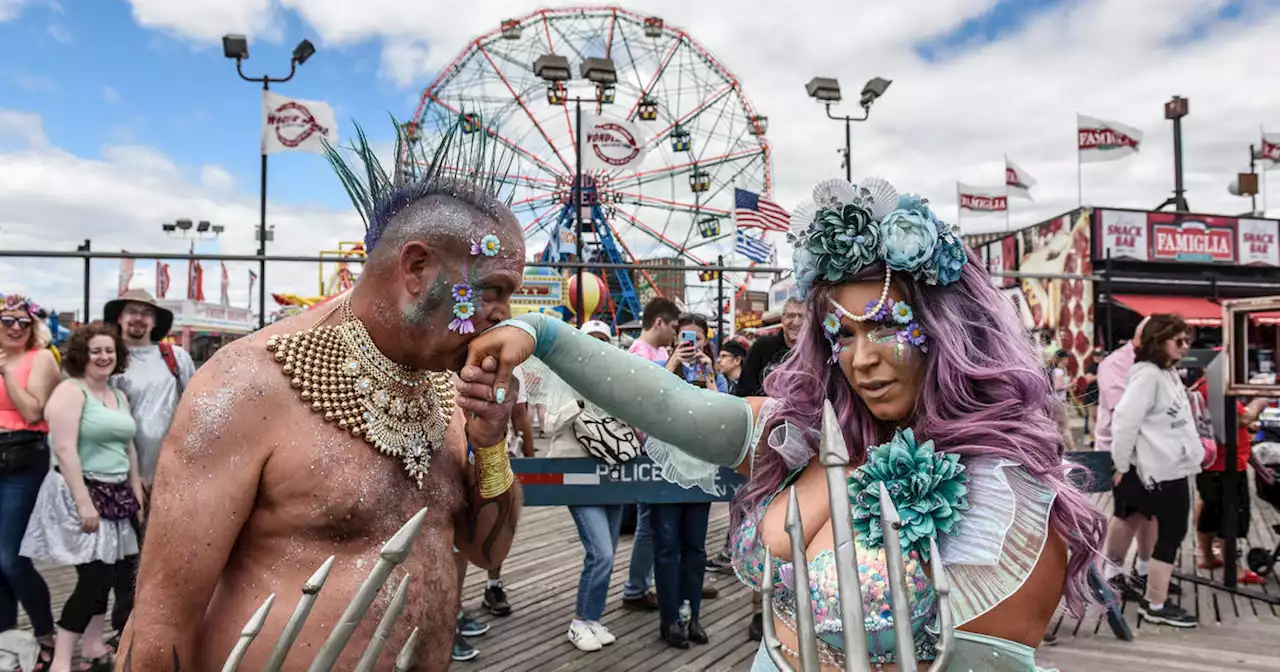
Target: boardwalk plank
(541,578)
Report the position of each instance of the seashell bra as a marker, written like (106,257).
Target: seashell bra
(1004,532)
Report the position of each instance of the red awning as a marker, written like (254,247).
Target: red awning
(1270,319)
(1197,311)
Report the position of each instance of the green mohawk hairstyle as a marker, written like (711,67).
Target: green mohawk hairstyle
(470,166)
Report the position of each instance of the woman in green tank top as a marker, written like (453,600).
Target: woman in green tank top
(85,512)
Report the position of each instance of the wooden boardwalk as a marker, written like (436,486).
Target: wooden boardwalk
(541,578)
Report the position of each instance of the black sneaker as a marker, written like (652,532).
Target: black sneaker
(495,600)
(462,650)
(720,563)
(1139,583)
(1127,592)
(755,632)
(1169,614)
(470,627)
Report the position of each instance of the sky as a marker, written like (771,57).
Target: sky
(116,116)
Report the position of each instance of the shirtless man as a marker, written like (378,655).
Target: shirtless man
(255,490)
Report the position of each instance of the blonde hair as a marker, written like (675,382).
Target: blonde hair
(40,337)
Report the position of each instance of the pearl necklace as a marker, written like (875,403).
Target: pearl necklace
(884,296)
(342,374)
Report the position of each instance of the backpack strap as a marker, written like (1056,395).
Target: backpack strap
(166,353)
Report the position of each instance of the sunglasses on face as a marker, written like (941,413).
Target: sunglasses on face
(11,322)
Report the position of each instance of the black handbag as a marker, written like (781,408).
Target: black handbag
(22,450)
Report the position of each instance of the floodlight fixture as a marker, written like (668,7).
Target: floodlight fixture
(218,229)
(552,68)
(874,88)
(202,227)
(168,228)
(598,70)
(823,89)
(236,46)
(183,225)
(303,51)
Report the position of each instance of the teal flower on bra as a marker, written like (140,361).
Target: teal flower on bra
(927,487)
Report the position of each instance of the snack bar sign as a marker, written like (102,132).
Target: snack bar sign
(1194,239)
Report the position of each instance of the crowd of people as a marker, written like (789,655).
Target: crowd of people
(79,445)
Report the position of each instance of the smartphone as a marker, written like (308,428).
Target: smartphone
(690,337)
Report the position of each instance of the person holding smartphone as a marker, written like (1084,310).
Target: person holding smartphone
(680,530)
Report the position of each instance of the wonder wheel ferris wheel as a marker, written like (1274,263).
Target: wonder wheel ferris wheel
(704,141)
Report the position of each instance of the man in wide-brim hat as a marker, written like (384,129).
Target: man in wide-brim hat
(141,306)
(156,375)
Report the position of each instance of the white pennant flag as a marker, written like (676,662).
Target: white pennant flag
(612,144)
(982,200)
(1102,140)
(1017,181)
(1269,154)
(292,125)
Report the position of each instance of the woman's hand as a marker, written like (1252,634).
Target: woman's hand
(1115,480)
(509,347)
(88,517)
(140,493)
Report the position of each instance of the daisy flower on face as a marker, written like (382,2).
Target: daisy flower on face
(462,292)
(464,310)
(902,313)
(831,323)
(489,246)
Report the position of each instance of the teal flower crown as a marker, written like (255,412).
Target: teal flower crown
(849,227)
(927,487)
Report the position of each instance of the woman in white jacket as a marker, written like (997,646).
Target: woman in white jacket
(1155,447)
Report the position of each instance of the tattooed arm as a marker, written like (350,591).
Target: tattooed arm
(206,481)
(487,527)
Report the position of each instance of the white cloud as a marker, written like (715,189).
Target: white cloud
(206,21)
(33,83)
(26,128)
(53,200)
(11,9)
(216,179)
(110,95)
(60,33)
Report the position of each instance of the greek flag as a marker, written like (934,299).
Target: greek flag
(754,249)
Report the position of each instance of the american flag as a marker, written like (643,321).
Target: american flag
(752,211)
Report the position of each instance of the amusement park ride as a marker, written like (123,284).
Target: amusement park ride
(704,141)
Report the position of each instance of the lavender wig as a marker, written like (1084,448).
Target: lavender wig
(982,393)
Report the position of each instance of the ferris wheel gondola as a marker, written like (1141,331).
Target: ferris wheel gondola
(704,138)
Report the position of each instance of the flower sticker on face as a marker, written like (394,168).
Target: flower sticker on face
(463,311)
(831,328)
(462,292)
(489,246)
(901,313)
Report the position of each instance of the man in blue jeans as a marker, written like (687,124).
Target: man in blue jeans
(659,330)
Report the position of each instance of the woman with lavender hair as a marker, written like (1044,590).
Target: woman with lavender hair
(941,399)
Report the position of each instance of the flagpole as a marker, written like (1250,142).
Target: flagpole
(958,208)
(1079,169)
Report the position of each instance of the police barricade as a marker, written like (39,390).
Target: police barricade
(587,481)
(548,481)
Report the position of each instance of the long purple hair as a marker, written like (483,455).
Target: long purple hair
(984,392)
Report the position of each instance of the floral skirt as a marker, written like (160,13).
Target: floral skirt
(54,536)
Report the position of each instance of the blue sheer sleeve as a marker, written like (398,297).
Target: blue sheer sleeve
(710,426)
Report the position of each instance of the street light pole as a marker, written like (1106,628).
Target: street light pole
(237,47)
(580,303)
(827,91)
(848,137)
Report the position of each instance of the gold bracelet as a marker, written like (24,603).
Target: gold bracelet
(494,466)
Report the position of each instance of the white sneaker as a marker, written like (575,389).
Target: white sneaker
(583,637)
(602,633)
